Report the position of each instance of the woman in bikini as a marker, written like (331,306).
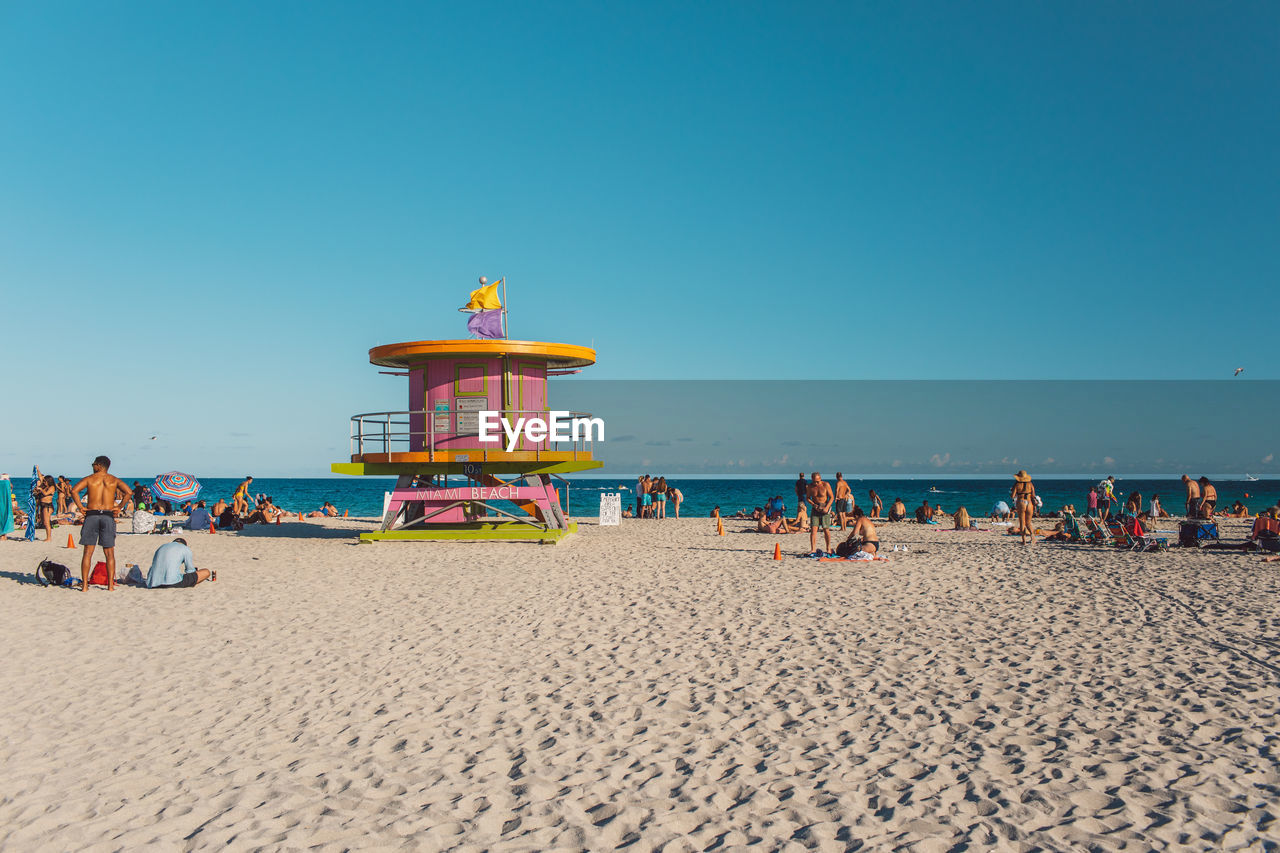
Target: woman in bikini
(1024,503)
(876,504)
(862,537)
(47,489)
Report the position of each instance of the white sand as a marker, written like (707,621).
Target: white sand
(653,684)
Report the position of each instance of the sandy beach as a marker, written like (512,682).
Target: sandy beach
(653,686)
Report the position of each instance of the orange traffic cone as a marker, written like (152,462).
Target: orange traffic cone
(344,513)
(212,529)
(777,551)
(70,542)
(300,518)
(719,526)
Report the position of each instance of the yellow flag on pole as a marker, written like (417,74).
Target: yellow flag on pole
(485,298)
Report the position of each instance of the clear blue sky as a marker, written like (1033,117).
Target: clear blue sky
(265,190)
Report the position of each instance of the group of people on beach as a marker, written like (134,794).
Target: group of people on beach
(652,497)
(819,508)
(98,500)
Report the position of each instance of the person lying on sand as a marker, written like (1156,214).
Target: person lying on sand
(326,511)
(167,566)
(776,526)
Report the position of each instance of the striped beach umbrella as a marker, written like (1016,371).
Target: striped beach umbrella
(175,486)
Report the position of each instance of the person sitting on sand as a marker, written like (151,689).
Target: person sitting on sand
(939,513)
(627,513)
(715,513)
(924,513)
(260,514)
(963,522)
(199,518)
(898,511)
(1238,510)
(801,521)
(862,542)
(167,567)
(1266,529)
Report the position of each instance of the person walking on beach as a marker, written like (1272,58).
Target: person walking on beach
(99,518)
(844,500)
(820,498)
(1024,502)
(1024,505)
(240,500)
(1093,501)
(1193,496)
(876,504)
(802,489)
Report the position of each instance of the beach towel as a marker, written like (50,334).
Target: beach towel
(6,507)
(33,504)
(860,556)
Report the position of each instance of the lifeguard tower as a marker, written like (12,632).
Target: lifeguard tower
(449,484)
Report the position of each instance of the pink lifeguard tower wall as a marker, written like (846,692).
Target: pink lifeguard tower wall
(477,382)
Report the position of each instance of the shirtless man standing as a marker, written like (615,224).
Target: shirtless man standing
(100,518)
(1193,496)
(820,498)
(844,499)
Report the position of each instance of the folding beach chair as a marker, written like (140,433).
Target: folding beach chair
(1071,527)
(1120,537)
(1143,540)
(1097,534)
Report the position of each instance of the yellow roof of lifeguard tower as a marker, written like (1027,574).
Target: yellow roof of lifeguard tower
(557,356)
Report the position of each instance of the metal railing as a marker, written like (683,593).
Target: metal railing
(395,432)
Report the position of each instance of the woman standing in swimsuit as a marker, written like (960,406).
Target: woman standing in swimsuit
(876,504)
(1024,502)
(48,488)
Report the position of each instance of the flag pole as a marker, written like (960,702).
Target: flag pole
(505,333)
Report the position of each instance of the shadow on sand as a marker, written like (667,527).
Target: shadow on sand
(298,530)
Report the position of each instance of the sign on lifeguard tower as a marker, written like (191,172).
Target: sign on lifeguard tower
(451,484)
(610,509)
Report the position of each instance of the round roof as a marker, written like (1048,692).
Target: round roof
(557,356)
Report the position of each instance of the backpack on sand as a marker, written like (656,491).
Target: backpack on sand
(49,573)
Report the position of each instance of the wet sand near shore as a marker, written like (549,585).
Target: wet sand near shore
(653,686)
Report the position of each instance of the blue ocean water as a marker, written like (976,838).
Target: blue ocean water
(362,496)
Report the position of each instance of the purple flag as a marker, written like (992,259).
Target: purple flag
(486,324)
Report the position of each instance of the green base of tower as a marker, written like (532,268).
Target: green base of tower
(479,531)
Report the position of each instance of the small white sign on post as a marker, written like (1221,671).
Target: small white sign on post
(610,509)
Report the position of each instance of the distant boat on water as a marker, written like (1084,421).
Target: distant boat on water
(1249,478)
